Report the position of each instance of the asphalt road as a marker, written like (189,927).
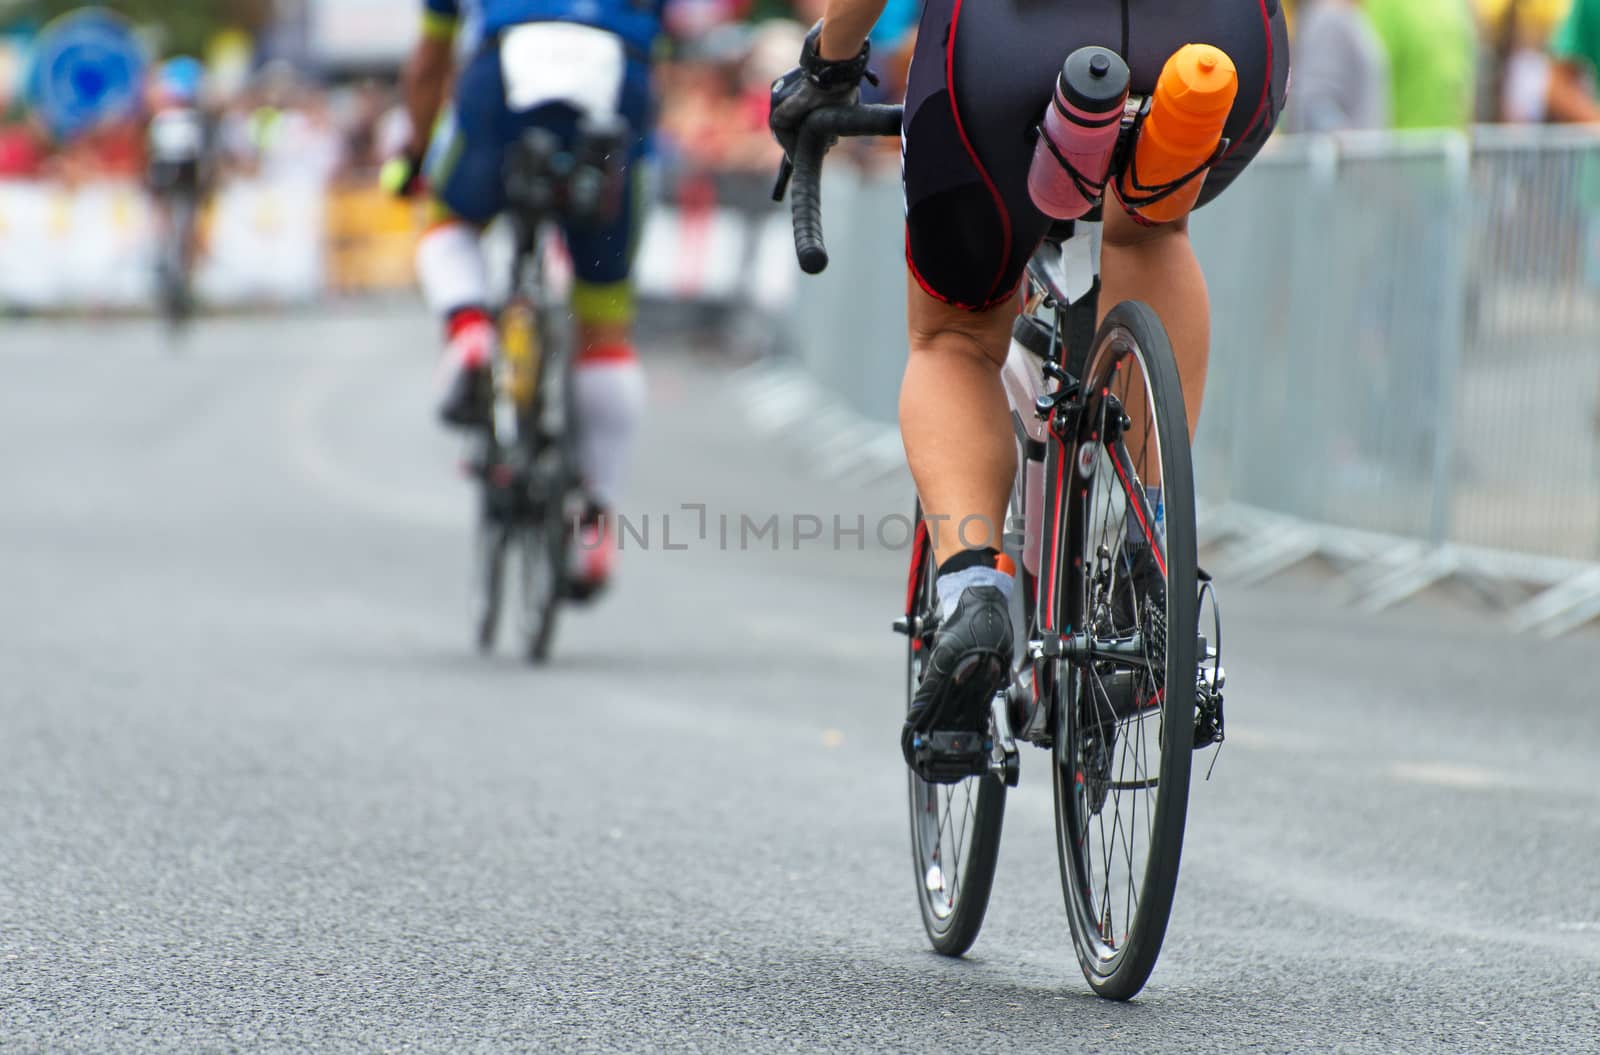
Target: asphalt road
(259,794)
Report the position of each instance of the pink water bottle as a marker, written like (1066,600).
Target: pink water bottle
(1079,134)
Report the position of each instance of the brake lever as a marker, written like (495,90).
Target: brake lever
(781,188)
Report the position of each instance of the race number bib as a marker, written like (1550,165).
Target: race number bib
(549,62)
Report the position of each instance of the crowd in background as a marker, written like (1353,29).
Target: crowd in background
(1359,64)
(1416,64)
(280,122)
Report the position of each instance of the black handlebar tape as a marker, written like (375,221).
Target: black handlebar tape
(805,199)
(815,136)
(872,120)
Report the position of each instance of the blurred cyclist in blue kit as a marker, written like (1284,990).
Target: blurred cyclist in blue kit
(528,64)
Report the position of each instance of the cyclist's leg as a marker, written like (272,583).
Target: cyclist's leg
(608,381)
(969,233)
(1157,264)
(958,440)
(954,420)
(464,170)
(970,229)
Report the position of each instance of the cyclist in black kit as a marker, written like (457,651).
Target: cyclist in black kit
(178,147)
(980,80)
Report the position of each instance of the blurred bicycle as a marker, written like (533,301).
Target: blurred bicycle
(533,500)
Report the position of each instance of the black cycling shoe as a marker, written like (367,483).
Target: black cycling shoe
(466,398)
(946,734)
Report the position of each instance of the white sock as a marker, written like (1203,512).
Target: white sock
(950,587)
(610,396)
(451,268)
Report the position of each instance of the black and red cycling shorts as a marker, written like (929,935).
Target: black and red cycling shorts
(981,77)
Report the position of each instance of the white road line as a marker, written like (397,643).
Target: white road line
(326,387)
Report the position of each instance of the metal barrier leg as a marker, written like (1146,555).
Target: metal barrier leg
(1274,545)
(1430,568)
(1561,609)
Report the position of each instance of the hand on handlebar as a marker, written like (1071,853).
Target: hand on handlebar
(814,83)
(401,176)
(820,129)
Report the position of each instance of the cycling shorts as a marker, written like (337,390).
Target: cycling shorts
(466,161)
(980,80)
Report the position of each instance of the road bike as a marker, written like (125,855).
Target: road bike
(526,457)
(1112,676)
(177,212)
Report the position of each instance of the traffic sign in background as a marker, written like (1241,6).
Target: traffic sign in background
(88,66)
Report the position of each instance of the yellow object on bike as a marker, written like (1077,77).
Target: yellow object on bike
(519,343)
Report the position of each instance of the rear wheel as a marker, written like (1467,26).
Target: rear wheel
(1126,714)
(492,544)
(955,828)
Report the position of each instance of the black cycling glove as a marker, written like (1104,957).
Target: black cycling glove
(815,83)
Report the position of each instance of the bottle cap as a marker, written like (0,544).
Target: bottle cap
(1199,80)
(1094,79)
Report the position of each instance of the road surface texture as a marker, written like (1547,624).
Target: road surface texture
(260,794)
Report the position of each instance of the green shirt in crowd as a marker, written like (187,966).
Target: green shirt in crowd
(1433,58)
(1578,38)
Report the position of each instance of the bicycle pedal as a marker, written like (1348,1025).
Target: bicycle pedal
(949,758)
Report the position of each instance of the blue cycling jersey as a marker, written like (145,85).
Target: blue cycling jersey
(638,22)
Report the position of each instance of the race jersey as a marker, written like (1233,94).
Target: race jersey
(637,22)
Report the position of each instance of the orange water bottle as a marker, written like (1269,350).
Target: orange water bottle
(1180,134)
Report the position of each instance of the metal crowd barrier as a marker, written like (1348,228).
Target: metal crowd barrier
(1405,376)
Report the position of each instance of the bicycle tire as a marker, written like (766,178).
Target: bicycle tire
(492,543)
(1094,741)
(952,913)
(553,481)
(177,302)
(542,560)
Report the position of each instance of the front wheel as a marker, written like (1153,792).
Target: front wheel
(955,828)
(1125,699)
(544,551)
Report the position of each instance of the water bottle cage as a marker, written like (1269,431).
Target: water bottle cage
(1150,195)
(1091,190)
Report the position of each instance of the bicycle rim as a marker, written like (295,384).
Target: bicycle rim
(1125,731)
(955,828)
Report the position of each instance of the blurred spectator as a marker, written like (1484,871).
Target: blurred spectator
(714,100)
(1341,71)
(283,128)
(1516,32)
(1575,49)
(1433,56)
(112,150)
(22,150)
